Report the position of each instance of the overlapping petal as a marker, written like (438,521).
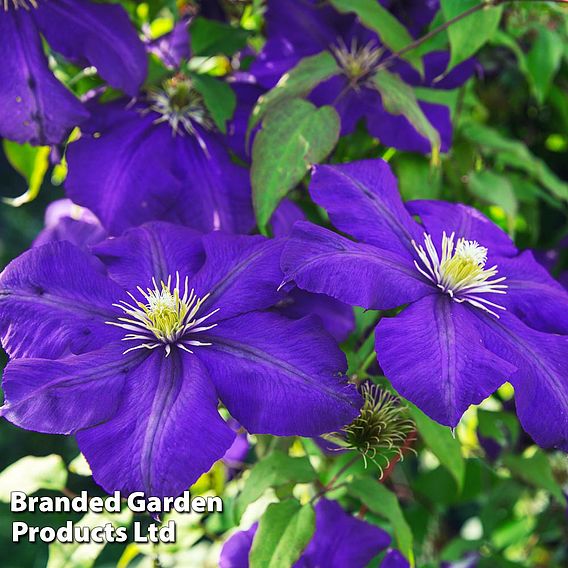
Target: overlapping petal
(541,379)
(262,362)
(165,433)
(465,221)
(54,300)
(100,34)
(240,274)
(362,199)
(435,357)
(533,295)
(321,261)
(135,170)
(57,396)
(155,250)
(34,106)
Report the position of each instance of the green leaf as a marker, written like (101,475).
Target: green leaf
(416,179)
(536,471)
(443,445)
(295,135)
(514,153)
(209,37)
(496,190)
(30,474)
(377,18)
(543,61)
(274,470)
(384,503)
(399,98)
(32,162)
(469,34)
(297,82)
(283,533)
(501,426)
(218,97)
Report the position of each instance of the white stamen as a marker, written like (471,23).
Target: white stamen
(460,272)
(165,317)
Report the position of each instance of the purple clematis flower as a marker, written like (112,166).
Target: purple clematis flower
(160,159)
(301,28)
(34,106)
(479,312)
(340,540)
(131,350)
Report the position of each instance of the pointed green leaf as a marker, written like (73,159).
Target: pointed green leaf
(295,135)
(399,98)
(283,533)
(32,162)
(469,34)
(384,503)
(297,82)
(543,61)
(536,471)
(443,445)
(272,471)
(218,97)
(377,18)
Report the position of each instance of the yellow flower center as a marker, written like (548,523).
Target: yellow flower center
(460,271)
(164,317)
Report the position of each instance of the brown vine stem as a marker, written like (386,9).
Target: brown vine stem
(330,486)
(487,4)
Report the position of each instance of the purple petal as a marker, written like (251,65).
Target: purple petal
(61,397)
(126,175)
(307,24)
(434,356)
(101,34)
(533,295)
(55,300)
(166,432)
(321,261)
(541,380)
(36,107)
(172,48)
(216,190)
(394,559)
(235,552)
(341,540)
(464,221)
(336,317)
(351,104)
(283,219)
(139,171)
(435,65)
(278,376)
(362,199)
(240,274)
(79,233)
(397,132)
(154,250)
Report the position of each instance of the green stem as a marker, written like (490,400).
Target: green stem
(371,358)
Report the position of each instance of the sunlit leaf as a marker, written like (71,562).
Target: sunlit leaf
(283,533)
(31,474)
(32,162)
